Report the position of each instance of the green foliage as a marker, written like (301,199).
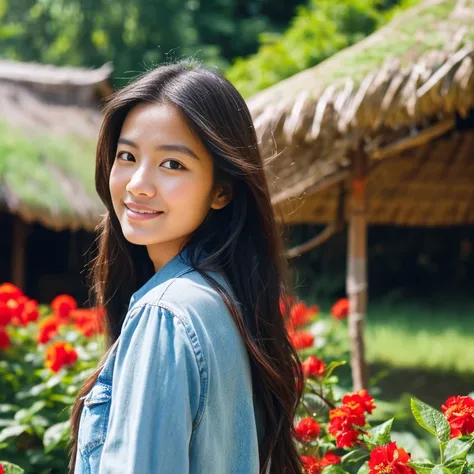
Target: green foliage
(430,419)
(28,166)
(317,32)
(35,402)
(136,34)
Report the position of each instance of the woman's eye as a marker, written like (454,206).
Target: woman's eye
(125,156)
(172,165)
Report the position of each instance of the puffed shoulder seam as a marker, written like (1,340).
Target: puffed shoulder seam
(197,350)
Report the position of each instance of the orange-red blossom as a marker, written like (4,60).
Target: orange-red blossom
(60,354)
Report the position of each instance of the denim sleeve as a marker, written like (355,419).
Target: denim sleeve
(157,396)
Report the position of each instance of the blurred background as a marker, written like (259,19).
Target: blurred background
(379,92)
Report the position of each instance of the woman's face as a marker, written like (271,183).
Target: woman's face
(161,181)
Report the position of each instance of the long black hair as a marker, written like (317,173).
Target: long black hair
(242,240)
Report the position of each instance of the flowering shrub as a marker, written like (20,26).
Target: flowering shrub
(333,433)
(46,352)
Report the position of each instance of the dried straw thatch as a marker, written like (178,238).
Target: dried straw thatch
(396,95)
(49,121)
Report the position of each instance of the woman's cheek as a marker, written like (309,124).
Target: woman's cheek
(181,191)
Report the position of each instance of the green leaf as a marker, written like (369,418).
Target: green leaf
(54,435)
(12,431)
(37,406)
(316,404)
(364,469)
(334,469)
(7,407)
(355,456)
(11,468)
(456,448)
(430,419)
(381,433)
(330,369)
(456,466)
(422,467)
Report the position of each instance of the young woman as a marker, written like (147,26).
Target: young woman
(199,374)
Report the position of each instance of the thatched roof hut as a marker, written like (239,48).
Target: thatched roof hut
(382,133)
(49,121)
(393,94)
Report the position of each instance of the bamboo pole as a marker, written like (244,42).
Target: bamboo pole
(356,283)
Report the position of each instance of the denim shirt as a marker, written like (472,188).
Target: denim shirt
(175,393)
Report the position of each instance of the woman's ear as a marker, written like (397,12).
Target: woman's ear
(222,195)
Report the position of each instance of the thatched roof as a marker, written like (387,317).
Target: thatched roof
(49,121)
(412,77)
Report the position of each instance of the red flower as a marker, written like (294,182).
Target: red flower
(301,314)
(87,321)
(4,340)
(340,309)
(60,354)
(308,429)
(359,402)
(313,367)
(389,459)
(459,412)
(330,458)
(2,470)
(312,465)
(5,314)
(301,340)
(29,313)
(48,328)
(8,291)
(62,305)
(343,425)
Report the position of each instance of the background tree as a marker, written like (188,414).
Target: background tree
(319,29)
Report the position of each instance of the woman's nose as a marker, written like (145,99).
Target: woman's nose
(141,183)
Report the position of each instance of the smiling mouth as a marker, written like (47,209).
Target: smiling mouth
(142,212)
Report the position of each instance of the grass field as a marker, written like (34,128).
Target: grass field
(414,336)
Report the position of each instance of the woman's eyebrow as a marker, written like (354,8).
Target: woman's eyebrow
(180,148)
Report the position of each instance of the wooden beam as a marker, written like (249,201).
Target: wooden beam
(356,283)
(419,139)
(301,190)
(328,232)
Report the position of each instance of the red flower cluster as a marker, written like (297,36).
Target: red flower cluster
(308,430)
(389,459)
(2,470)
(301,340)
(15,308)
(60,354)
(313,367)
(345,421)
(340,309)
(300,314)
(297,314)
(62,306)
(459,412)
(314,465)
(88,321)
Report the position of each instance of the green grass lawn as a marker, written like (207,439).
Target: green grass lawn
(414,336)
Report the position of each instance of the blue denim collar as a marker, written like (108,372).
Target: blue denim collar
(180,263)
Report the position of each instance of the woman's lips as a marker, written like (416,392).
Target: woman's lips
(140,216)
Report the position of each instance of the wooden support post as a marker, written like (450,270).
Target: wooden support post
(20,235)
(356,283)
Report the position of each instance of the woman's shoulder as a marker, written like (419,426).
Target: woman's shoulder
(189,295)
